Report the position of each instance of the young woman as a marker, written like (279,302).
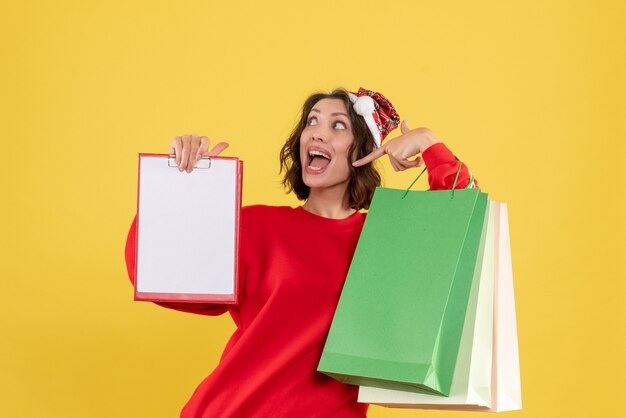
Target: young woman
(293,261)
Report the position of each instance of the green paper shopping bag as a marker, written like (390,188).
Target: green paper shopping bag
(471,383)
(487,374)
(400,316)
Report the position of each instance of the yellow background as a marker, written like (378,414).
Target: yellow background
(529,93)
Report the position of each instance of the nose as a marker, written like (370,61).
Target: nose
(319,134)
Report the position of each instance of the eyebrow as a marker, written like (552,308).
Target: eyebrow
(332,114)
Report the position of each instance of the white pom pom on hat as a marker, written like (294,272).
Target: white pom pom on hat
(364,105)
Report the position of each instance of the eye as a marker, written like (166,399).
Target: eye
(311,121)
(339,125)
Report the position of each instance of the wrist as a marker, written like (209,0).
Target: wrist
(428,140)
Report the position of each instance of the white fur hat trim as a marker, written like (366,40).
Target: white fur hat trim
(364,106)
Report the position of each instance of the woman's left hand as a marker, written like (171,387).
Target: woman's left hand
(400,149)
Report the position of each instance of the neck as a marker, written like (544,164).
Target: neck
(329,203)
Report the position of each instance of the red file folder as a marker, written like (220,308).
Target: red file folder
(188,230)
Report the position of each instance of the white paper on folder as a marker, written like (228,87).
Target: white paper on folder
(472,375)
(186,227)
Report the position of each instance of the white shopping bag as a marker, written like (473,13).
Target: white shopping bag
(507,395)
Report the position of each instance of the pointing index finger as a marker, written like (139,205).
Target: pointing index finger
(377,153)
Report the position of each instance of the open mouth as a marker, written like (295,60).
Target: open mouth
(318,160)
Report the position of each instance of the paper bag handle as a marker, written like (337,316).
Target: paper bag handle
(456,178)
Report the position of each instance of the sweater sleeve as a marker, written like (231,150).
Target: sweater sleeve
(442,167)
(131,261)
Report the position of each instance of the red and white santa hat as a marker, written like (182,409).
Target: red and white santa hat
(379,114)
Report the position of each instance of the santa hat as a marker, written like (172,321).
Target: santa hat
(379,114)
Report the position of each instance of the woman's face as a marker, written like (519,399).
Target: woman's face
(324,145)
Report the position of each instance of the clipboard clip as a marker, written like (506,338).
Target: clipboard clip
(204,162)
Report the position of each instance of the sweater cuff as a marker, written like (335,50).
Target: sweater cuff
(438,154)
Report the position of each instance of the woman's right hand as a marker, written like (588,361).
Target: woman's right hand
(190,148)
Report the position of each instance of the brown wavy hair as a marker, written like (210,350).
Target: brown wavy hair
(363,180)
